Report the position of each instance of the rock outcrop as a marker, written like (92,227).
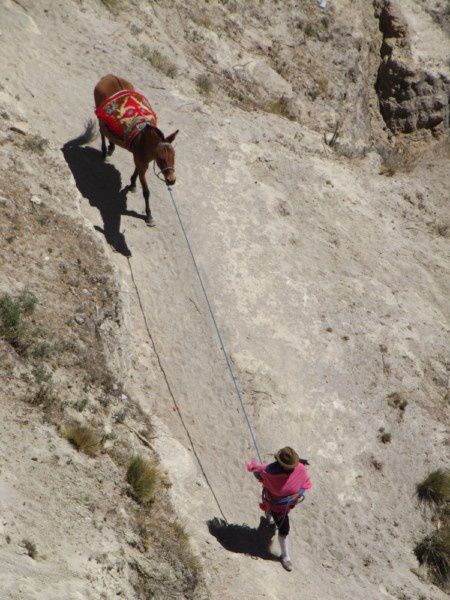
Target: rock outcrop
(410,98)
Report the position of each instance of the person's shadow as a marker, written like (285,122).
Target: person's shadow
(100,182)
(243,538)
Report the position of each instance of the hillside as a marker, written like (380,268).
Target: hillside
(326,261)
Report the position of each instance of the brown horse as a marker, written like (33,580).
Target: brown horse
(149,144)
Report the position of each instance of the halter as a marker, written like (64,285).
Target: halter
(161,171)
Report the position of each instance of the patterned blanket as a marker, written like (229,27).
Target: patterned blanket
(126,113)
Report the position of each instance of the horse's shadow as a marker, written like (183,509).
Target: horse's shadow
(100,182)
(243,538)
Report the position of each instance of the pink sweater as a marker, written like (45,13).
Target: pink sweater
(278,486)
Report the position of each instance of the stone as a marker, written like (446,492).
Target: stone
(36,200)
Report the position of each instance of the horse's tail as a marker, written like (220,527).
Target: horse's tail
(90,133)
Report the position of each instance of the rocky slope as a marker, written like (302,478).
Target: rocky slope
(327,265)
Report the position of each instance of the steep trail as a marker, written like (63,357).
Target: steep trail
(299,251)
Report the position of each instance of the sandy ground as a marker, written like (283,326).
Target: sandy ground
(330,283)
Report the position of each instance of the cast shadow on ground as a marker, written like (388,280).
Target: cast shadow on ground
(101,184)
(243,538)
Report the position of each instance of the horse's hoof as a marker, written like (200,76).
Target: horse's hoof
(150,222)
(132,188)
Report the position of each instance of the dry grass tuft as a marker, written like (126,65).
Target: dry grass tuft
(143,476)
(396,160)
(85,439)
(434,552)
(36,143)
(171,541)
(435,489)
(111,5)
(158,61)
(281,107)
(204,84)
(334,138)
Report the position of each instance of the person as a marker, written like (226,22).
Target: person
(284,484)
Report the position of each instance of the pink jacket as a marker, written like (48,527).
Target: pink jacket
(279,486)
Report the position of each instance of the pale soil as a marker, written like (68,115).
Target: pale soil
(330,283)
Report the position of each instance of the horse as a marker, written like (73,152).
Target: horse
(147,144)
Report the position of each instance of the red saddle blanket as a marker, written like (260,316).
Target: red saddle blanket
(125,114)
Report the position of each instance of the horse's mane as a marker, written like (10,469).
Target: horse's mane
(158,131)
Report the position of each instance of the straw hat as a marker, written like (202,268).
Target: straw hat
(288,458)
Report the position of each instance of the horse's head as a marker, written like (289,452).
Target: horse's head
(165,158)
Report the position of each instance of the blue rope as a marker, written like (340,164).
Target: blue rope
(222,345)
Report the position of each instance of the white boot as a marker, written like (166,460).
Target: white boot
(285,558)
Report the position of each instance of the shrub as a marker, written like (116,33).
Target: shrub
(41,374)
(44,397)
(11,327)
(143,477)
(204,84)
(81,404)
(43,350)
(85,439)
(435,489)
(434,552)
(158,60)
(386,437)
(27,301)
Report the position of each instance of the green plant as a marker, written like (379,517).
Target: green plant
(43,350)
(435,489)
(85,439)
(204,84)
(309,30)
(143,476)
(41,374)
(158,60)
(30,547)
(11,327)
(81,404)
(434,552)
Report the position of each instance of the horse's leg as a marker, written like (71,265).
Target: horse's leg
(111,148)
(148,219)
(133,180)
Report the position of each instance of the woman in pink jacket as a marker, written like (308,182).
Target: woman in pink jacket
(284,483)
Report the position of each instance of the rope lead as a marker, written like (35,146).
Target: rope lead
(221,342)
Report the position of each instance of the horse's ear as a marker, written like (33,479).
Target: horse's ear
(171,137)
